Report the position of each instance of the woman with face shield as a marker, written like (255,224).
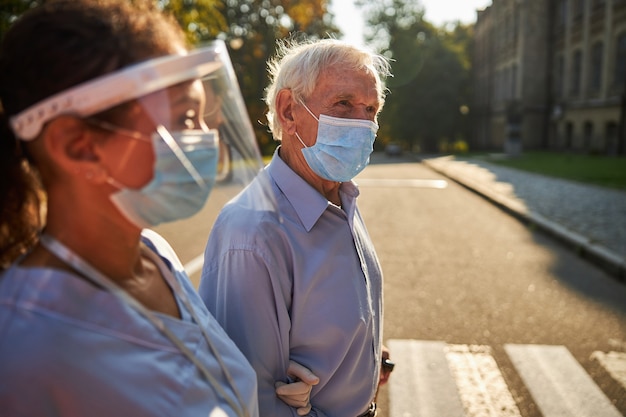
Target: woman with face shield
(103,124)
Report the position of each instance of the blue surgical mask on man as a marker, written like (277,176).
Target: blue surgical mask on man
(342,148)
(174,193)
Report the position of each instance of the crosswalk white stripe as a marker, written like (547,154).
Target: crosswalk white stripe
(422,385)
(482,388)
(558,383)
(194,265)
(408,183)
(614,363)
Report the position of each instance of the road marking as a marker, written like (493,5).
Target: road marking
(614,363)
(435,379)
(402,183)
(422,385)
(194,265)
(558,383)
(482,388)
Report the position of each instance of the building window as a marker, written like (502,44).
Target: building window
(505,84)
(576,73)
(496,87)
(620,62)
(559,75)
(587,135)
(502,86)
(579,8)
(562,13)
(597,4)
(499,79)
(516,25)
(611,145)
(595,76)
(514,82)
(569,135)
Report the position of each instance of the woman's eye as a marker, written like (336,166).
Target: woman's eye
(187,120)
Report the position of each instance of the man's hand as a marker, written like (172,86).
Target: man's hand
(298,393)
(386,367)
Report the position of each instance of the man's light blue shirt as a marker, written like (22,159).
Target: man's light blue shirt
(289,275)
(69,348)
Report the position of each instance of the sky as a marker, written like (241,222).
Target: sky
(436,12)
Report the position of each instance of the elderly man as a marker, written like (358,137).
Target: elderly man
(291,273)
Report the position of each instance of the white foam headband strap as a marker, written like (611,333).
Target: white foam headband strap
(109,90)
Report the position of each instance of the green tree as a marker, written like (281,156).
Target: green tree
(201,19)
(250,29)
(11,10)
(254,26)
(430,87)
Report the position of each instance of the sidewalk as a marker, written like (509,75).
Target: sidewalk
(591,220)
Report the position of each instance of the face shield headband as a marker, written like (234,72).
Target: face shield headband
(110,90)
(225,110)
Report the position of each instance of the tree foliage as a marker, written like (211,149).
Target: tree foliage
(250,29)
(201,19)
(254,26)
(430,90)
(11,10)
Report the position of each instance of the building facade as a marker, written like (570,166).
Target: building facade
(550,74)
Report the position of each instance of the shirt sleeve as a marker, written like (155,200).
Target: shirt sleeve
(252,306)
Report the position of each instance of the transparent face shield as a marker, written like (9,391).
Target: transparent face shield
(211,102)
(190,107)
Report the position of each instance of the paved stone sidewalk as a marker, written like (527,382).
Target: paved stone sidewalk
(591,219)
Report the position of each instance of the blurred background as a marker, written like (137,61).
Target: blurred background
(480,75)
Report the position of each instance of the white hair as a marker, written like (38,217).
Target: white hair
(297,66)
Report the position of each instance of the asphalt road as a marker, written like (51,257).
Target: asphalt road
(460,271)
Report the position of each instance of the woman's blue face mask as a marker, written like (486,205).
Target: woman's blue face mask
(342,149)
(175,191)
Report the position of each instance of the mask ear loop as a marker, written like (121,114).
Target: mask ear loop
(169,140)
(167,137)
(300,139)
(120,130)
(309,110)
(311,113)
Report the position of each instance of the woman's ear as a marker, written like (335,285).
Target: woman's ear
(66,138)
(70,145)
(284,110)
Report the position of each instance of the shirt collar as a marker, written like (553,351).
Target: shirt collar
(308,203)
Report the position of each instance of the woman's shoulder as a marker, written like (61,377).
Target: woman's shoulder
(157,241)
(161,246)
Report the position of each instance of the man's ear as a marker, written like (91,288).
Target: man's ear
(284,110)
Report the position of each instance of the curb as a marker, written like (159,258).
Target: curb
(600,255)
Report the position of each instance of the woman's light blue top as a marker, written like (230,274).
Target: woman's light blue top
(291,276)
(69,348)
